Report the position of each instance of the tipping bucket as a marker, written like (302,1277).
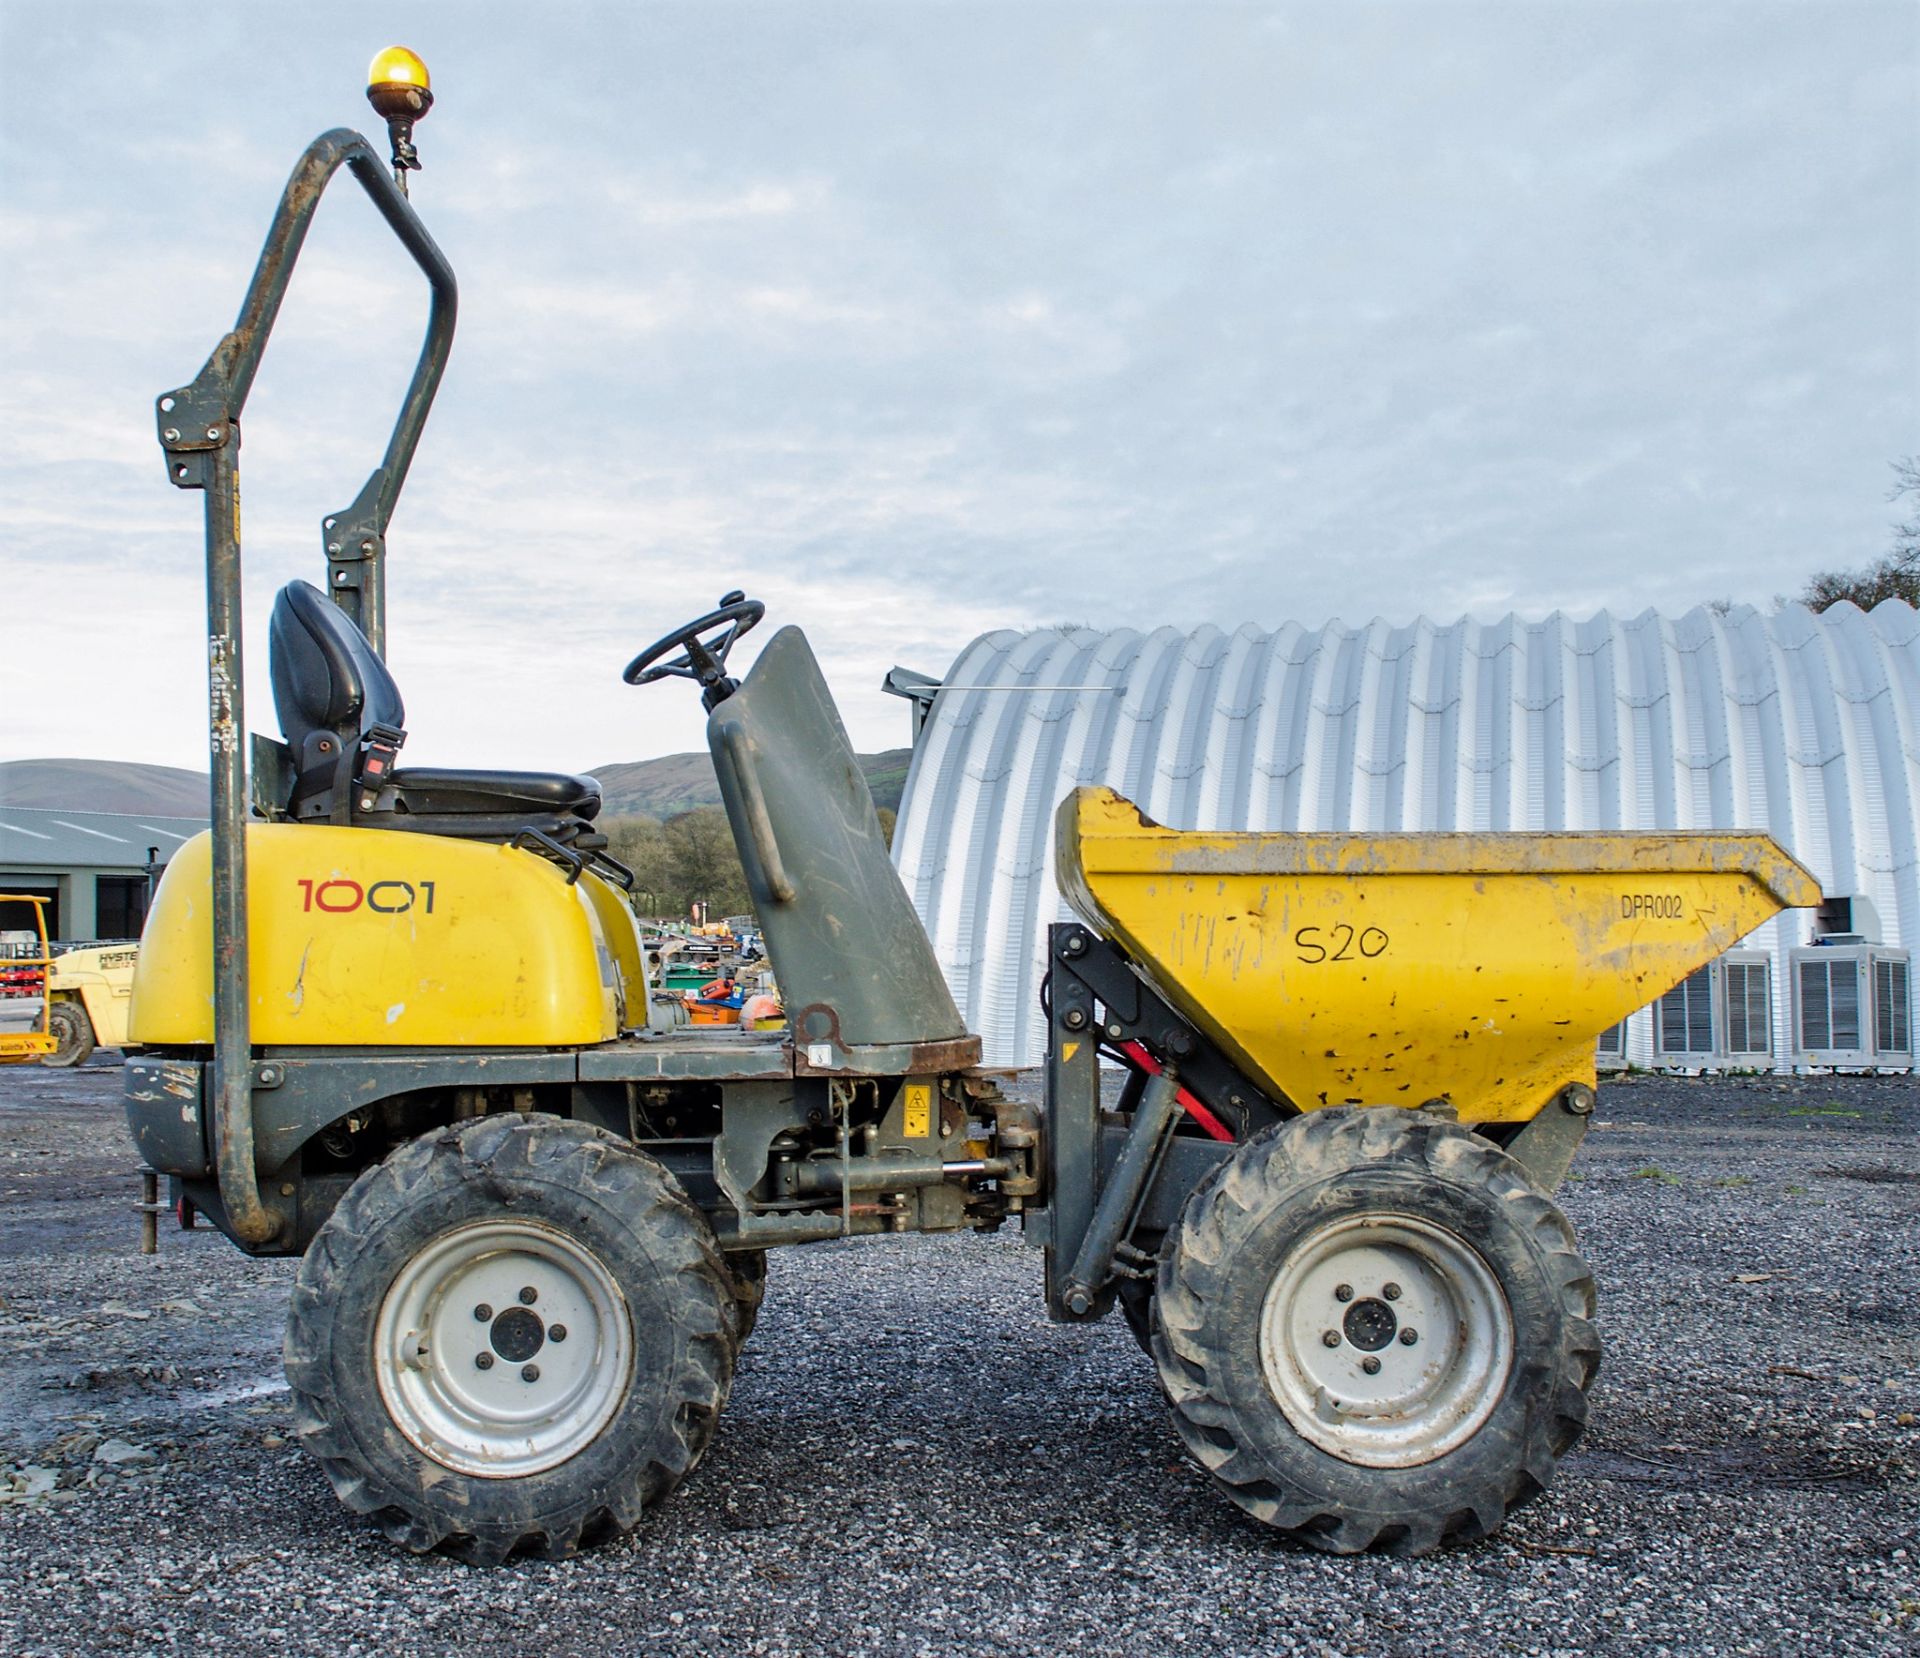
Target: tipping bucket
(1393,969)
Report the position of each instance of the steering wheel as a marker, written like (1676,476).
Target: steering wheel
(703,660)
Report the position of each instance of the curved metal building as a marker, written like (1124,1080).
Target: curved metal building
(1805,726)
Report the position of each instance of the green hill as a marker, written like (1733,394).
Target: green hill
(660,788)
(127,786)
(677,783)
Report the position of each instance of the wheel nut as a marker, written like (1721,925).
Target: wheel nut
(1343,1293)
(531,1372)
(1330,1339)
(483,1361)
(556,1332)
(1390,1291)
(1409,1336)
(483,1312)
(528,1296)
(1370,1365)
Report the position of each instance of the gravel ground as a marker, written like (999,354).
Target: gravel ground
(915,1461)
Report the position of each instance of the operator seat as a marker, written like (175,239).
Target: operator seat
(342,717)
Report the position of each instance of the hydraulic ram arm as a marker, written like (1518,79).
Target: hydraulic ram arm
(199,429)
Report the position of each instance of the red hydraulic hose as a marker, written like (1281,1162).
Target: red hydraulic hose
(1137,1054)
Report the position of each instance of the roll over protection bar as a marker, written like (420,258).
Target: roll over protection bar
(199,427)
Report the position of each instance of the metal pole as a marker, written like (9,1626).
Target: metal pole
(149,1207)
(226,733)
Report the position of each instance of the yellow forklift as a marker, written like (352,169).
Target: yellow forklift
(38,1041)
(1306,1096)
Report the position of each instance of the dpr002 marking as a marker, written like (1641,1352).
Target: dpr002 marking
(1652,906)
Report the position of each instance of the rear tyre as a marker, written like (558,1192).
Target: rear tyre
(514,1334)
(748,1268)
(73,1030)
(1374,1332)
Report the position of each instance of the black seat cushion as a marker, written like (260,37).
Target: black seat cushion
(430,789)
(331,690)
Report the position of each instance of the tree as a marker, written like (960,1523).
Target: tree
(704,861)
(1906,481)
(1896,573)
(638,843)
(690,858)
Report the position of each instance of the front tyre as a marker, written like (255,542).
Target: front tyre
(514,1334)
(1134,1298)
(1373,1331)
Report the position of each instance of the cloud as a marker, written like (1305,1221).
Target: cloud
(923,322)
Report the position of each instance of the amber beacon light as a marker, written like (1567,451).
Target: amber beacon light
(400,89)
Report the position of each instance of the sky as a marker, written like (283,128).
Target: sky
(917,321)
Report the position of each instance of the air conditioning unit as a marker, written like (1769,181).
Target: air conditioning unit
(1853,1006)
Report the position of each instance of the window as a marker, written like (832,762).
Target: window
(1829,1001)
(1749,1007)
(1892,1006)
(19,918)
(1685,1016)
(119,905)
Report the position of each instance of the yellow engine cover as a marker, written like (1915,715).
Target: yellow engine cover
(366,937)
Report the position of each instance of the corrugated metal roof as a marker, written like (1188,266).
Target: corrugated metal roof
(32,838)
(1805,726)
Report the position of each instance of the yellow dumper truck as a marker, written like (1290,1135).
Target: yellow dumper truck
(1307,1097)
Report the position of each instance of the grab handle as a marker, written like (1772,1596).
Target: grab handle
(759,822)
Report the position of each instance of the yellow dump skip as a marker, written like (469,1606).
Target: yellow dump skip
(1354,969)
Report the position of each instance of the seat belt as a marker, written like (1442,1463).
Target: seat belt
(364,771)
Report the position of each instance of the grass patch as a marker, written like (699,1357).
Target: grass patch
(1653,1171)
(1736,1180)
(1833,1110)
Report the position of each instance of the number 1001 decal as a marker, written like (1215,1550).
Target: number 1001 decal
(342,897)
(1314,945)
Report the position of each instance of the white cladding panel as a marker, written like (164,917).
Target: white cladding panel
(1804,726)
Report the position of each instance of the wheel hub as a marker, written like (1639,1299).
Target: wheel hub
(517,1334)
(1370,1325)
(1386,1340)
(438,1336)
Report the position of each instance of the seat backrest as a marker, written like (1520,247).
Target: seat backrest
(326,676)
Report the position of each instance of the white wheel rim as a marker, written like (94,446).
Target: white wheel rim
(1369,1280)
(487,1382)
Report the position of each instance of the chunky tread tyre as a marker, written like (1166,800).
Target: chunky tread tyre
(637,1221)
(74,1031)
(1134,1299)
(1215,1270)
(748,1268)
